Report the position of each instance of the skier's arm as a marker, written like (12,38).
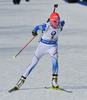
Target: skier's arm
(62,24)
(39,27)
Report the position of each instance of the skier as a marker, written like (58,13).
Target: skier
(48,44)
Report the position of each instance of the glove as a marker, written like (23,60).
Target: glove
(62,24)
(34,33)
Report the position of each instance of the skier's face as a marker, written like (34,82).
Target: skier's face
(55,23)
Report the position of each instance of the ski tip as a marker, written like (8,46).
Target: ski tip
(70,91)
(11,90)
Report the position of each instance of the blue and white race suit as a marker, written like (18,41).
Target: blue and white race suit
(48,44)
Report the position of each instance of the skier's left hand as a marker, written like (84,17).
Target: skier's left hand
(62,24)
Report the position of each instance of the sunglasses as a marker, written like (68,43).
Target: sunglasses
(57,21)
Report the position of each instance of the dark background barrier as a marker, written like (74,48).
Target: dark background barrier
(72,1)
(85,0)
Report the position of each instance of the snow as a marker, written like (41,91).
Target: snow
(16,25)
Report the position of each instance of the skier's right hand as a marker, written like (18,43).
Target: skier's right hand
(34,33)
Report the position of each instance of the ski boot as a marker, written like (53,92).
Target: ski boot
(54,81)
(19,83)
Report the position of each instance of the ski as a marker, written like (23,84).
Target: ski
(13,89)
(60,89)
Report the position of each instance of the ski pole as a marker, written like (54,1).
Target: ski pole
(55,6)
(23,47)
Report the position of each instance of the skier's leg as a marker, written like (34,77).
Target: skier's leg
(26,73)
(54,56)
(55,66)
(31,66)
(38,54)
(55,72)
